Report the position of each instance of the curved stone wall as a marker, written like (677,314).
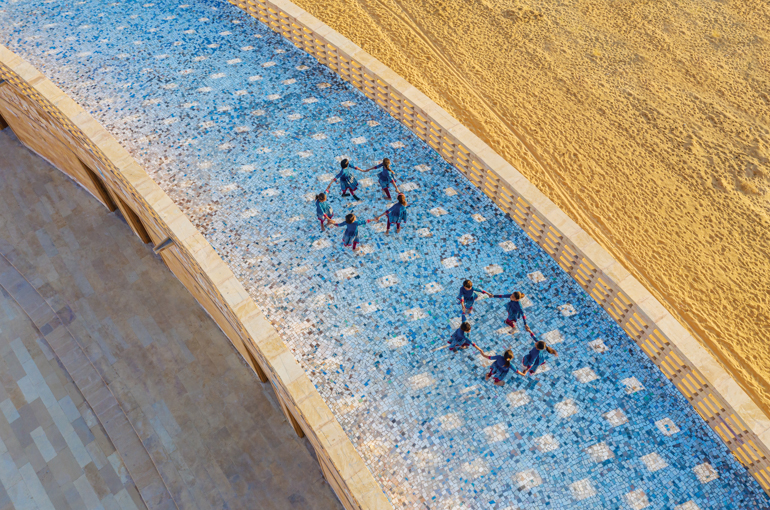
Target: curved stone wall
(710,389)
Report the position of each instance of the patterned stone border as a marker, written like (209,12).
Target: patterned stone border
(710,389)
(50,122)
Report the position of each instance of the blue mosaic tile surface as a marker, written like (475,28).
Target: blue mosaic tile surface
(241,129)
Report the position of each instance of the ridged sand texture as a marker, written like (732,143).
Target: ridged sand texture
(647,122)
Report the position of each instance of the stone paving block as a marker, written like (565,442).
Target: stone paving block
(96,481)
(82,430)
(64,467)
(37,491)
(110,478)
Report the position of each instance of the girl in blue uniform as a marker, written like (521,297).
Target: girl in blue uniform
(515,311)
(396,214)
(386,177)
(501,365)
(459,339)
(467,297)
(323,210)
(536,357)
(350,237)
(348,182)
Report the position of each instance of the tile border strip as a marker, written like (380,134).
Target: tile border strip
(709,388)
(193,260)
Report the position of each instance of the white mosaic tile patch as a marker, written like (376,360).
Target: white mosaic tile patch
(585,375)
(397,341)
(547,443)
(438,211)
(475,468)
(518,398)
(705,472)
(632,385)
(451,421)
(600,452)
(415,314)
(421,381)
(507,246)
(598,346)
(566,408)
(667,427)
(552,337)
(528,479)
(536,277)
(466,239)
(347,273)
(615,418)
(637,499)
(654,462)
(582,489)
(322,244)
(496,433)
(450,262)
(367,308)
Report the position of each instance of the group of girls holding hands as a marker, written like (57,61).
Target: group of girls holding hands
(396,214)
(501,364)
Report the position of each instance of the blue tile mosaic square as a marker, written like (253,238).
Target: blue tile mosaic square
(242,130)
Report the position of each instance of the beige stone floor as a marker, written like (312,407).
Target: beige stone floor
(55,454)
(215,434)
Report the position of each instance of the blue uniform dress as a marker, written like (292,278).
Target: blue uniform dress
(397,214)
(499,369)
(347,180)
(532,361)
(515,311)
(322,210)
(351,232)
(459,339)
(467,295)
(385,176)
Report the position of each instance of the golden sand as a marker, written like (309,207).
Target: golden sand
(646,121)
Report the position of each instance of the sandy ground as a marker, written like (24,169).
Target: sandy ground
(648,122)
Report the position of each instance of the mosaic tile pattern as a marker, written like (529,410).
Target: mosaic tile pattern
(241,129)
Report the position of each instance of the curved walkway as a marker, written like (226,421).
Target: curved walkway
(215,439)
(241,130)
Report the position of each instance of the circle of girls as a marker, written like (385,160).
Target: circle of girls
(396,216)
